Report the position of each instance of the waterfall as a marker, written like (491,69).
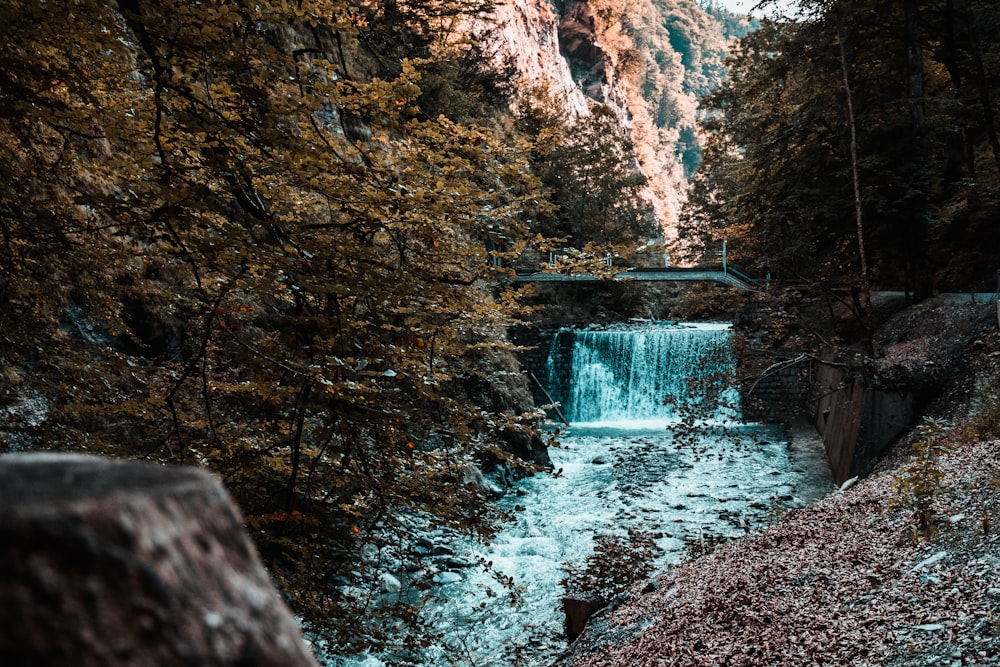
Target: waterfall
(618,470)
(644,375)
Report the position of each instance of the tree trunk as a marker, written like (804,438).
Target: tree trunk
(983,84)
(915,238)
(961,161)
(866,308)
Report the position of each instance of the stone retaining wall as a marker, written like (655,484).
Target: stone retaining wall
(857,422)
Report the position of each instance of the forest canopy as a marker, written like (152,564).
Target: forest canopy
(856,144)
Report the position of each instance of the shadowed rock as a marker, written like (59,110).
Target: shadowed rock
(107,562)
(578,610)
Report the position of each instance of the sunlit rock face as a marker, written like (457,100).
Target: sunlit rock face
(649,63)
(530,38)
(561,52)
(557,49)
(592,67)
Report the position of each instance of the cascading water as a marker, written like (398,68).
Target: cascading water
(655,445)
(635,377)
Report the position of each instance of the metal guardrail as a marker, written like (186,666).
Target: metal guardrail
(726,276)
(742,276)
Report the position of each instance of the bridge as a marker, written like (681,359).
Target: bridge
(723,274)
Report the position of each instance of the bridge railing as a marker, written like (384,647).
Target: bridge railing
(649,261)
(739,274)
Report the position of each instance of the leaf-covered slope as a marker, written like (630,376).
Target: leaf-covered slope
(841,582)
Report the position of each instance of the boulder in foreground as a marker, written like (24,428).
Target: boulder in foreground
(107,562)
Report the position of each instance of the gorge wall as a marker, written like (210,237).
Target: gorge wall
(648,62)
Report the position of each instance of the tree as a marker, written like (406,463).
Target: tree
(228,241)
(767,178)
(778,177)
(596,184)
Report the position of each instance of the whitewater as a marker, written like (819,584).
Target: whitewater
(654,444)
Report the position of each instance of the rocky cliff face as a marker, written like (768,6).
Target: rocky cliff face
(593,67)
(529,38)
(558,48)
(648,66)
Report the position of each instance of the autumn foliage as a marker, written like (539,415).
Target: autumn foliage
(232,235)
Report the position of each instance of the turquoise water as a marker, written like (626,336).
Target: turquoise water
(684,470)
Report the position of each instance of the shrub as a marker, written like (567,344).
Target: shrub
(618,561)
(921,480)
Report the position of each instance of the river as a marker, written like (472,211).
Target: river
(655,445)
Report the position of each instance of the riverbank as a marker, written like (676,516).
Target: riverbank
(864,576)
(841,582)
